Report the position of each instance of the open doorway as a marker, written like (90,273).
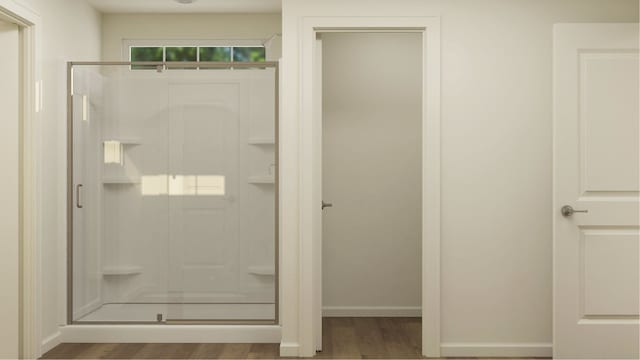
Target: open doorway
(372,193)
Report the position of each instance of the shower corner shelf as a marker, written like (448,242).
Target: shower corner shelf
(262,141)
(262,270)
(121,270)
(120,181)
(261,179)
(125,140)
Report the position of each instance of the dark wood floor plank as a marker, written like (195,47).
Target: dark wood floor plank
(412,327)
(344,341)
(395,341)
(96,351)
(124,351)
(67,351)
(235,351)
(369,338)
(207,351)
(264,351)
(166,351)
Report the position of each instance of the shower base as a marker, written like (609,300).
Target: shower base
(148,312)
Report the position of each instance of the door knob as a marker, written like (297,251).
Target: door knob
(324,205)
(568,210)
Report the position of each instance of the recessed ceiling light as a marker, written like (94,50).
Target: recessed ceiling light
(185,1)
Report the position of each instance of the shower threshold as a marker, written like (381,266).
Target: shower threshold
(150,312)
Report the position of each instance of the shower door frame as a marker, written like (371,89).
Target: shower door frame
(162,66)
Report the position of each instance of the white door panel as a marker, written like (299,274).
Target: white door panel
(596,168)
(608,99)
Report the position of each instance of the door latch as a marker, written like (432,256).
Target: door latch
(568,210)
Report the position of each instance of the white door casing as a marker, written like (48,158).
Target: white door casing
(28,23)
(309,287)
(596,166)
(9,192)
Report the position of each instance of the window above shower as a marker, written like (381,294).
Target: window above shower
(193,51)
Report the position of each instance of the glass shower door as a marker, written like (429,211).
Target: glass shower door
(220,251)
(173,196)
(85,188)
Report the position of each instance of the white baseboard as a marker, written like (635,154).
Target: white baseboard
(372,311)
(289,349)
(496,350)
(171,334)
(50,342)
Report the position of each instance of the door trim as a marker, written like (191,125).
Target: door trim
(310,191)
(28,22)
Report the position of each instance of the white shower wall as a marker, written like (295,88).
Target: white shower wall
(184,206)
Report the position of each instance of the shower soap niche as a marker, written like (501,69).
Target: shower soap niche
(120,180)
(262,141)
(261,179)
(121,270)
(125,140)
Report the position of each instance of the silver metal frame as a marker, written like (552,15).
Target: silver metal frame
(70,188)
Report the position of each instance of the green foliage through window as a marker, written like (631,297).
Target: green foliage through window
(248,54)
(215,54)
(146,54)
(182,53)
(194,54)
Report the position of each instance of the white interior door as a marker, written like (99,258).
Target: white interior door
(596,166)
(9,195)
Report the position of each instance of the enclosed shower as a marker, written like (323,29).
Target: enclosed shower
(172,193)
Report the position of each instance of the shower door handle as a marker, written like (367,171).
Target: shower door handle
(78,203)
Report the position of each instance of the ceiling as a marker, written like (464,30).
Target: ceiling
(198,6)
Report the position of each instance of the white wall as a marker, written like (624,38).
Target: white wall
(70,31)
(496,159)
(118,27)
(372,172)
